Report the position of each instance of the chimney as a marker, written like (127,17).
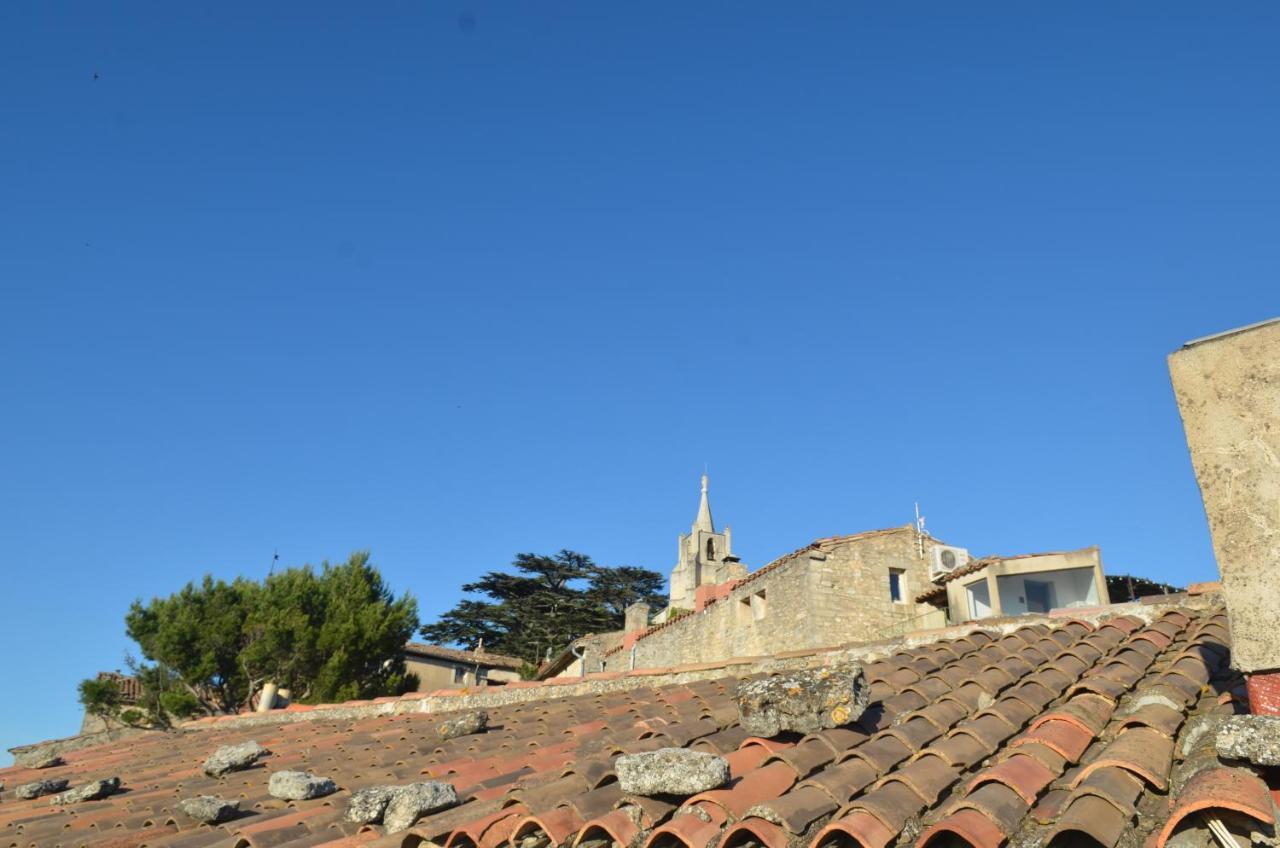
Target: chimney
(637,617)
(1228,391)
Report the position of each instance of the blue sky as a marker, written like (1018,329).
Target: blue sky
(451,281)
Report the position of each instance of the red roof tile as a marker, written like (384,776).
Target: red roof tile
(130,688)
(1223,788)
(483,658)
(974,737)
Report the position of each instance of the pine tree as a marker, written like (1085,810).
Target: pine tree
(328,635)
(547,603)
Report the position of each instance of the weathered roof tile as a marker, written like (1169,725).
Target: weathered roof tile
(971,734)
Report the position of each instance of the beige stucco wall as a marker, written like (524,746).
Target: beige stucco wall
(1228,391)
(835,594)
(1088,560)
(436,674)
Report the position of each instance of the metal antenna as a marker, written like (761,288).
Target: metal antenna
(274,559)
(919,530)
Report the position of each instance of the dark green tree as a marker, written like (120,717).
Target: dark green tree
(1125,587)
(612,590)
(361,636)
(199,634)
(100,697)
(330,635)
(164,697)
(280,631)
(544,605)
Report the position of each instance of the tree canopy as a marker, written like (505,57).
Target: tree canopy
(329,635)
(1125,587)
(545,604)
(100,696)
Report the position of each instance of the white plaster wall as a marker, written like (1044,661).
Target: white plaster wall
(1071,587)
(979,598)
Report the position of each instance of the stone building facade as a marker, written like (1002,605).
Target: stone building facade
(446,668)
(865,587)
(585,655)
(841,589)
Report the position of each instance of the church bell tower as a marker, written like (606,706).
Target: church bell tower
(705,557)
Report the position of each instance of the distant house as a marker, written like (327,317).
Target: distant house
(1018,585)
(443,668)
(849,589)
(583,656)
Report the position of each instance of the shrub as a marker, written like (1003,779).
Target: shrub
(100,697)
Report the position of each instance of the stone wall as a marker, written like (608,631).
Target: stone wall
(592,650)
(832,592)
(1228,390)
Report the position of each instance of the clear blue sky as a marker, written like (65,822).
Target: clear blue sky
(450,281)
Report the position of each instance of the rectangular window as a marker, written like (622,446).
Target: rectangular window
(1039,595)
(759,605)
(897,585)
(979,599)
(459,675)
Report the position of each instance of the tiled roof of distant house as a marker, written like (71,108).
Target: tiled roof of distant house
(826,542)
(605,642)
(469,657)
(130,687)
(1033,729)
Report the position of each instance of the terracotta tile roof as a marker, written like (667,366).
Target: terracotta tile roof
(468,657)
(130,687)
(932,595)
(825,544)
(1037,729)
(1206,588)
(968,568)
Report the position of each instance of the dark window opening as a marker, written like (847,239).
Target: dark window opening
(897,584)
(1039,595)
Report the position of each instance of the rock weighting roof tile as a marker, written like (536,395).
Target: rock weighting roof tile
(1048,731)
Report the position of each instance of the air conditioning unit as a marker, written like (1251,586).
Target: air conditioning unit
(944,558)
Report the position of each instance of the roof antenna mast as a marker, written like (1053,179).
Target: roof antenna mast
(275,557)
(919,530)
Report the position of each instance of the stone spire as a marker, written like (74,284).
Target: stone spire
(703,522)
(705,557)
